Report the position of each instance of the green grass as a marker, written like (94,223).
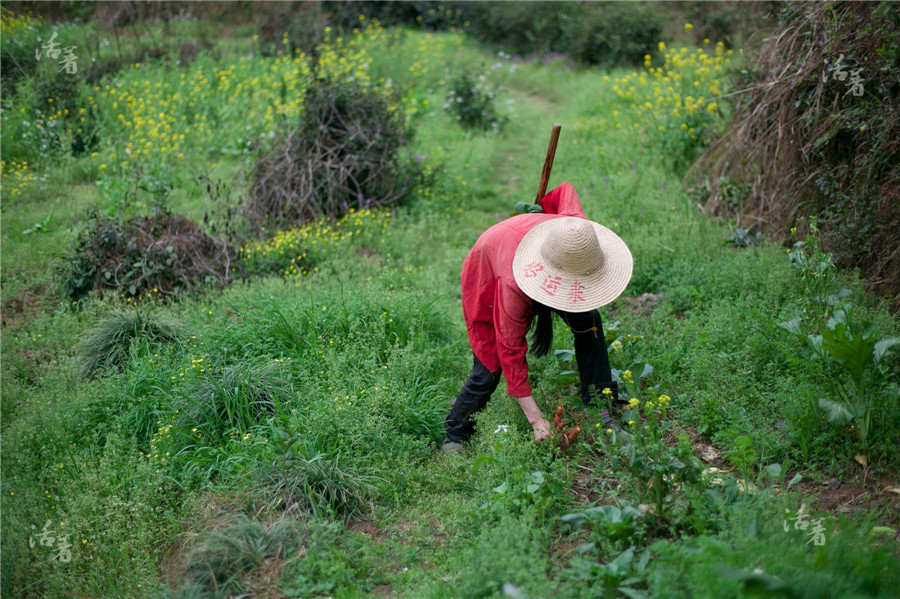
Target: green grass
(317,401)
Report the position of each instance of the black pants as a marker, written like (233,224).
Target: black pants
(593,368)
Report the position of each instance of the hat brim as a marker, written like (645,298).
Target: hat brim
(562,290)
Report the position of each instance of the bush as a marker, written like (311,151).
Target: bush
(158,255)
(820,142)
(108,345)
(17,61)
(345,153)
(608,33)
(472,103)
(611,34)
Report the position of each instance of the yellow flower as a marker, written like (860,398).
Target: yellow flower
(688,26)
(634,402)
(662,46)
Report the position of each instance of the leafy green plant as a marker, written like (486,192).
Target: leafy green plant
(526,208)
(610,523)
(630,387)
(818,277)
(522,489)
(660,468)
(743,237)
(510,551)
(334,559)
(854,360)
(743,454)
(621,576)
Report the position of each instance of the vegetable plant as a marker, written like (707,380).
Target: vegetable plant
(854,358)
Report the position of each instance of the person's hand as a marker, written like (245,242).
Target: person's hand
(541,429)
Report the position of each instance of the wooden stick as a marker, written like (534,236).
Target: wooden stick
(548,163)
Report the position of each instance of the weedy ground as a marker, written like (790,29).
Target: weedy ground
(281,438)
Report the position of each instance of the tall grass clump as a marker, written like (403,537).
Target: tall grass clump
(109,344)
(230,402)
(221,565)
(316,484)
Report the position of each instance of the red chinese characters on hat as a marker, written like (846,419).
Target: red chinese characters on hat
(551,284)
(532,269)
(576,292)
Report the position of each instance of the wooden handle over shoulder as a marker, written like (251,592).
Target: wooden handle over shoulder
(548,163)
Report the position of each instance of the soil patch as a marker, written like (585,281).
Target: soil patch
(850,495)
(642,305)
(589,489)
(25,307)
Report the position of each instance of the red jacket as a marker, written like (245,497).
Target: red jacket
(497,312)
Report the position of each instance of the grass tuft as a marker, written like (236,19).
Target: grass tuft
(109,344)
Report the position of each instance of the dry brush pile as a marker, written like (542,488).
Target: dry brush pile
(158,255)
(345,153)
(815,132)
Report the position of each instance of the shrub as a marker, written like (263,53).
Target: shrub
(673,100)
(607,33)
(345,153)
(158,255)
(611,33)
(822,140)
(108,345)
(472,103)
(17,62)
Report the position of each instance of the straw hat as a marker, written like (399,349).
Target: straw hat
(572,264)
